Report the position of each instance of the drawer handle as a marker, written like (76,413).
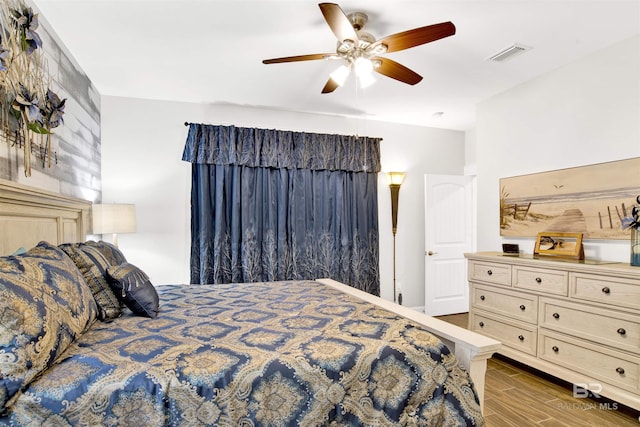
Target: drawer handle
(489,272)
(622,331)
(620,371)
(538,280)
(481,324)
(481,297)
(555,349)
(606,290)
(521,338)
(522,307)
(556,315)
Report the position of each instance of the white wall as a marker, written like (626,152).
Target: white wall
(583,113)
(142,143)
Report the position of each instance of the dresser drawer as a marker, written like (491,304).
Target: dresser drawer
(606,289)
(539,280)
(517,305)
(498,274)
(517,335)
(619,330)
(598,362)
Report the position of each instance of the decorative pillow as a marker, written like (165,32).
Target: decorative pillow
(110,252)
(49,264)
(93,266)
(132,285)
(44,305)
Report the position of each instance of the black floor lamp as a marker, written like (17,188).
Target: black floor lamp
(395,181)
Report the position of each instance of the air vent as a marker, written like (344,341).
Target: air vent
(508,52)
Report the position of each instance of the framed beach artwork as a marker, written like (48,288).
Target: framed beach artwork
(591,200)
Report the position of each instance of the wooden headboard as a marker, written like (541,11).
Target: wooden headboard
(29,215)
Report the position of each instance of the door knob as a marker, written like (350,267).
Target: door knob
(430,253)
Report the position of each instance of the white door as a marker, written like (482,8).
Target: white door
(448,235)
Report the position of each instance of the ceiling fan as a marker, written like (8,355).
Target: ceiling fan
(361,50)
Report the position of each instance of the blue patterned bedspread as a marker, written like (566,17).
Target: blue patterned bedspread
(261,354)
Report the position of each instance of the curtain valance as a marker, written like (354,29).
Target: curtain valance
(255,147)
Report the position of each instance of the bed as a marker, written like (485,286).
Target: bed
(278,353)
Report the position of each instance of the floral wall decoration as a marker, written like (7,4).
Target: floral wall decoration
(29,109)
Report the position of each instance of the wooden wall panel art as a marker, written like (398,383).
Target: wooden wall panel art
(590,200)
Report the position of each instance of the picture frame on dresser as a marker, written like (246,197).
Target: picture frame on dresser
(567,245)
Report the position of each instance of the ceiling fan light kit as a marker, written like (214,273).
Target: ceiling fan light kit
(360,49)
(363,68)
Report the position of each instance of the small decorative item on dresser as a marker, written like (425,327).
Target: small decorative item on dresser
(559,244)
(635,247)
(633,222)
(511,249)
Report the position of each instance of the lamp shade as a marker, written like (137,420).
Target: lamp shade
(114,218)
(395,178)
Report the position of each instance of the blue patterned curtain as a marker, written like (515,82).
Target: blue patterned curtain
(277,205)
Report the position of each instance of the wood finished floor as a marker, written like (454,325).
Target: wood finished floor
(519,396)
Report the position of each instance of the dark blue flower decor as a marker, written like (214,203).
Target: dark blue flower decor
(27,105)
(633,222)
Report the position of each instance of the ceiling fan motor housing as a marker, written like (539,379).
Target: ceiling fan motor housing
(358,19)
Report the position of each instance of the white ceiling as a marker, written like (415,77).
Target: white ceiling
(210,51)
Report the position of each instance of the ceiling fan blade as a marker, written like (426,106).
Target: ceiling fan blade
(338,22)
(391,68)
(310,57)
(330,86)
(417,36)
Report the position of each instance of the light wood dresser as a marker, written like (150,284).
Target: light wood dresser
(576,320)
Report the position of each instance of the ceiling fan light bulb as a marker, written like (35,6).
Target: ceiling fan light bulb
(366,80)
(363,66)
(340,75)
